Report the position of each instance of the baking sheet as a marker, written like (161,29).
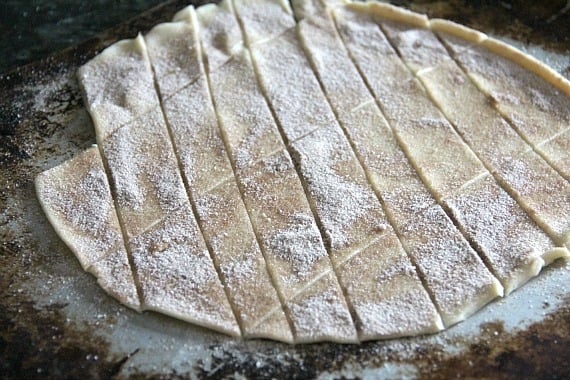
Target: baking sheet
(56,322)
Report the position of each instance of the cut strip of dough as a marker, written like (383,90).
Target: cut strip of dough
(455,275)
(197,138)
(395,88)
(539,110)
(300,109)
(229,233)
(144,173)
(525,175)
(117,86)
(75,197)
(289,237)
(206,167)
(348,209)
(176,274)
(516,248)
(436,148)
(152,202)
(218,32)
(174,53)
(250,130)
(336,185)
(387,296)
(274,197)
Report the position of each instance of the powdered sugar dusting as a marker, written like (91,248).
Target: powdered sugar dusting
(451,269)
(298,245)
(504,234)
(420,46)
(291,87)
(347,207)
(538,110)
(77,199)
(482,125)
(509,262)
(118,86)
(320,313)
(541,109)
(144,172)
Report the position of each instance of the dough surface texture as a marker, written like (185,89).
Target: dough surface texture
(320,170)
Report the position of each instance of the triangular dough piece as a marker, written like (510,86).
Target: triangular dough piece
(219,32)
(263,20)
(115,276)
(320,313)
(386,294)
(117,86)
(77,201)
(174,53)
(271,326)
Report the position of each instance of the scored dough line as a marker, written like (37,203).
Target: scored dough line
(553,137)
(188,190)
(508,120)
(424,180)
(234,170)
(500,181)
(411,162)
(247,46)
(389,218)
(122,224)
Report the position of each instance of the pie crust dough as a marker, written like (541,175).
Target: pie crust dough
(328,171)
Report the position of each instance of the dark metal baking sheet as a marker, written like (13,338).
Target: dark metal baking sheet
(55,321)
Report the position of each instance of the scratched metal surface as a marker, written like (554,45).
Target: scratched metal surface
(55,321)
